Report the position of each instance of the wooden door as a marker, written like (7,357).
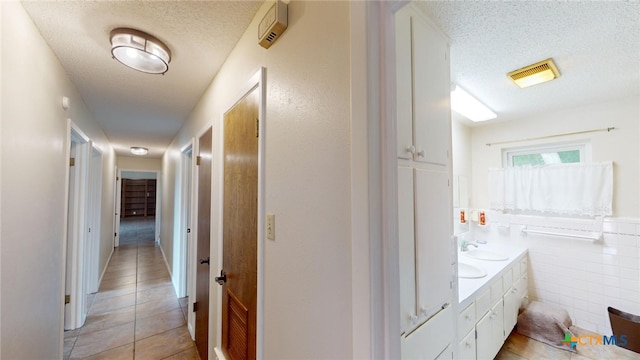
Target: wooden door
(201,305)
(240,229)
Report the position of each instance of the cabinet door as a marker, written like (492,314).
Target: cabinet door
(511,305)
(484,340)
(433,240)
(498,327)
(404,98)
(490,332)
(467,347)
(431,93)
(407,249)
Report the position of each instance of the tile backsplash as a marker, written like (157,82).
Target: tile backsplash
(581,276)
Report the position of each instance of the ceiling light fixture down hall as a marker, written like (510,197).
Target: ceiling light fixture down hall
(468,106)
(137,150)
(139,50)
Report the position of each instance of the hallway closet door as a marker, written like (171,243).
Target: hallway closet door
(240,229)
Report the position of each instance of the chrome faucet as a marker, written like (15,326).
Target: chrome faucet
(464,246)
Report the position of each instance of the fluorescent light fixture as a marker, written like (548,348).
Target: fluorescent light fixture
(140,51)
(534,74)
(468,106)
(137,150)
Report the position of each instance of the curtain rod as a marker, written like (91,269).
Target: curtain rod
(552,136)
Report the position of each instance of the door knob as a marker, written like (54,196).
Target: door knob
(222,278)
(204,261)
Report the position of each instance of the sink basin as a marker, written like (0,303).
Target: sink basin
(485,255)
(468,271)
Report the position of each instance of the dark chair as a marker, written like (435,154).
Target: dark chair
(623,323)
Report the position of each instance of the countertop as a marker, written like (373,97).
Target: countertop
(468,289)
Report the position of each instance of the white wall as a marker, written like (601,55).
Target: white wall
(581,277)
(34,169)
(461,147)
(1,67)
(139,163)
(308,266)
(622,146)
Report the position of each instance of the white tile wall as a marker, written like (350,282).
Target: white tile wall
(580,276)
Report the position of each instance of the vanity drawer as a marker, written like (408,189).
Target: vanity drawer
(507,278)
(467,319)
(522,285)
(523,266)
(483,303)
(496,291)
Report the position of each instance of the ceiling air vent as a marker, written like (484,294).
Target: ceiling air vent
(535,74)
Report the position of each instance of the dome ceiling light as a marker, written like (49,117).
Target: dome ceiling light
(137,150)
(140,51)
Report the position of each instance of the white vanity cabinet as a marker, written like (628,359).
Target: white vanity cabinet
(426,249)
(493,307)
(423,89)
(516,296)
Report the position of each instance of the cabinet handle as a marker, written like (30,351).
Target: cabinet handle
(420,153)
(515,290)
(414,319)
(467,344)
(467,317)
(411,149)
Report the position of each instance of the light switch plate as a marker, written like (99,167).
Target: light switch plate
(271,226)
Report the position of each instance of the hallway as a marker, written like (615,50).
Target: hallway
(135,314)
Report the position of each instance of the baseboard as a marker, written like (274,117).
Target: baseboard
(166,263)
(219,354)
(191,332)
(105,269)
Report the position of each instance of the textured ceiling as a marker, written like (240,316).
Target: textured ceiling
(133,108)
(596,46)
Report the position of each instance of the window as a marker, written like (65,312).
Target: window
(548,154)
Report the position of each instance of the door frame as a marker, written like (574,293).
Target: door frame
(193,249)
(374,211)
(256,82)
(95,218)
(118,204)
(75,225)
(182,273)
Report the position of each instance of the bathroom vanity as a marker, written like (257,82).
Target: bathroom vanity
(490,292)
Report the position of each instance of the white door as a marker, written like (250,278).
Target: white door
(404,98)
(431,91)
(408,315)
(433,241)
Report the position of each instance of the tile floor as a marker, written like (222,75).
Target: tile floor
(520,347)
(136,313)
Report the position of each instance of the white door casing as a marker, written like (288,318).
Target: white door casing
(79,148)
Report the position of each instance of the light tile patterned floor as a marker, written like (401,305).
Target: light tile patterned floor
(520,347)
(135,314)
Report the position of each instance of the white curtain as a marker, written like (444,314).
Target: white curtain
(584,189)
